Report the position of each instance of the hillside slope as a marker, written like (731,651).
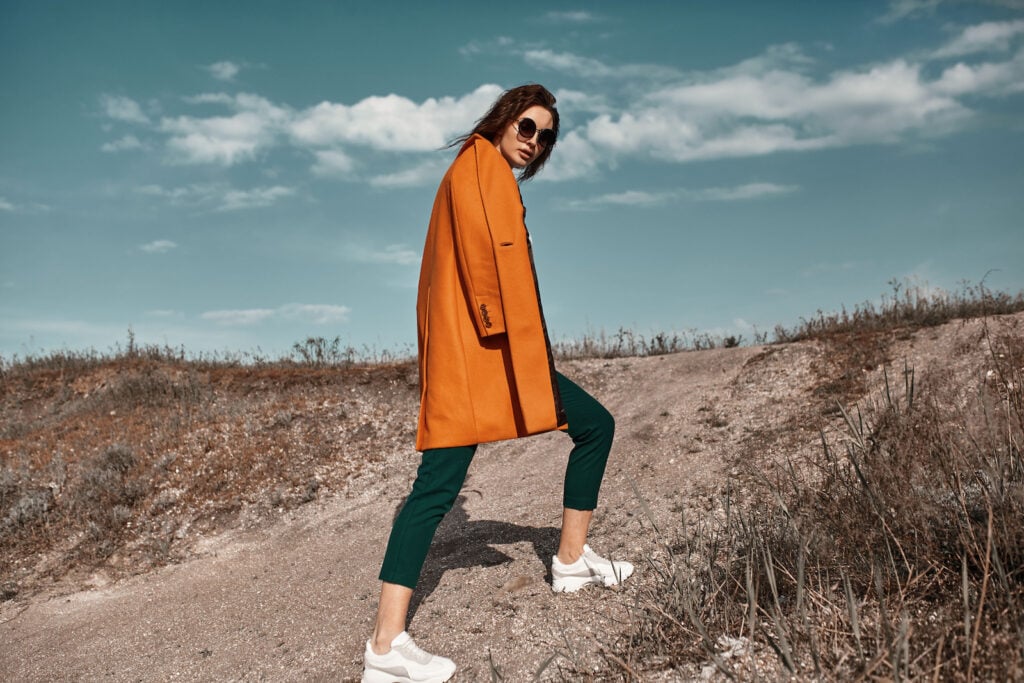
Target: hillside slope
(289,594)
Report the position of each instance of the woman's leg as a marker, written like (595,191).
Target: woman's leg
(592,428)
(575,524)
(439,479)
(392,611)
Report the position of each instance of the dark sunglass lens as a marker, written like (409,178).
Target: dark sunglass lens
(527,127)
(546,137)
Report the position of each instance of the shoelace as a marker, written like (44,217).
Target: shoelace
(593,559)
(412,651)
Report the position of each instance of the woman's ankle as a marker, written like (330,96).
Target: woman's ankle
(380,641)
(569,555)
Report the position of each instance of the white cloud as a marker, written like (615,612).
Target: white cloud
(124,143)
(499,45)
(638,198)
(319,314)
(587,67)
(902,9)
(392,122)
(123,108)
(389,123)
(334,132)
(983,79)
(179,195)
(225,140)
(571,17)
(991,36)
(644,198)
(578,101)
(635,197)
(158,247)
(213,141)
(567,62)
(218,196)
(7,205)
(426,173)
(398,254)
(215,98)
(748,114)
(573,157)
(248,316)
(882,99)
(223,71)
(332,162)
(741,192)
(771,102)
(256,197)
(780,57)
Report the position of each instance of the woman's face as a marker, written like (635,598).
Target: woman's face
(517,149)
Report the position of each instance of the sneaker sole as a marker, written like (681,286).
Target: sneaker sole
(574,583)
(571,584)
(384,677)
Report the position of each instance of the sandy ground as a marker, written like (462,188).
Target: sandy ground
(295,600)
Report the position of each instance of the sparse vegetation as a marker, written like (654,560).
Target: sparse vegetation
(628,344)
(120,461)
(908,306)
(894,552)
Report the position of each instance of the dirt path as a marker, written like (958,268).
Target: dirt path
(295,601)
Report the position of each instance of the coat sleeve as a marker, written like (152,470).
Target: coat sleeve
(484,198)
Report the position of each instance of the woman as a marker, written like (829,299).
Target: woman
(486,371)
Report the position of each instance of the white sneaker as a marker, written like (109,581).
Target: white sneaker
(590,568)
(405,663)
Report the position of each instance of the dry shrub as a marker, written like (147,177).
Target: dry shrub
(896,553)
(910,305)
(100,500)
(120,462)
(628,344)
(92,504)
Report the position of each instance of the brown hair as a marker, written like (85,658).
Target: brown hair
(504,111)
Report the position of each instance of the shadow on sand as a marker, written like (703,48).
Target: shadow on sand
(462,542)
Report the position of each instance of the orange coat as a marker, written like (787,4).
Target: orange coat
(486,371)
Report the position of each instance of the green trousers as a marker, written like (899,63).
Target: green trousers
(443,470)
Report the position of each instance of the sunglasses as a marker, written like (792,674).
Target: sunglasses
(527,128)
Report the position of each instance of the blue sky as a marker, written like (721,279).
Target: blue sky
(234,176)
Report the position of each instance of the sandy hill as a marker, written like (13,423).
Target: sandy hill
(252,554)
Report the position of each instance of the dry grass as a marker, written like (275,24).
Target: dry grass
(908,306)
(628,344)
(895,553)
(122,461)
